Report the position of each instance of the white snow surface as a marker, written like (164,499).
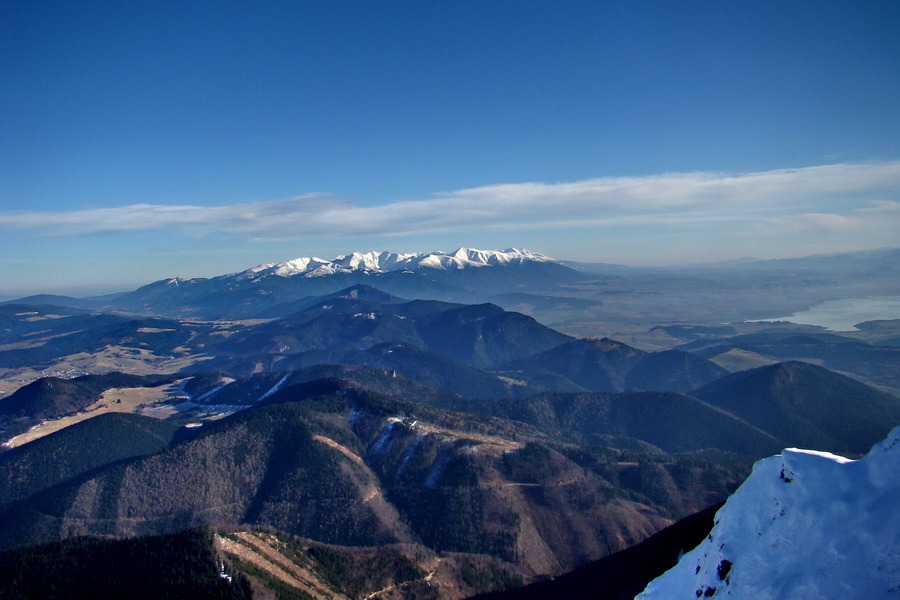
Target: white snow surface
(804,526)
(274,388)
(381,262)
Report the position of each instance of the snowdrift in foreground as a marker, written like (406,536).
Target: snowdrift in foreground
(805,525)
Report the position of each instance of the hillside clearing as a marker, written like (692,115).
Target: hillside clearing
(147,401)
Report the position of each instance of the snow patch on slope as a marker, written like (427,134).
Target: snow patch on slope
(209,394)
(274,388)
(805,525)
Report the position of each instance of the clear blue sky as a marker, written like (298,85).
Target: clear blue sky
(141,140)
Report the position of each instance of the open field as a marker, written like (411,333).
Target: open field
(137,361)
(152,402)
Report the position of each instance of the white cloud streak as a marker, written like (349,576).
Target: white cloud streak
(658,199)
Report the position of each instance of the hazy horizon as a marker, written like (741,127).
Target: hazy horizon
(124,286)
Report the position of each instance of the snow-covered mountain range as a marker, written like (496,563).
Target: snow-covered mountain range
(382,262)
(805,525)
(276,289)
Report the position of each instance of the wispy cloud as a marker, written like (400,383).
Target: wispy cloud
(822,223)
(666,198)
(877,220)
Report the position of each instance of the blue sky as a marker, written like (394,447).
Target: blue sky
(142,140)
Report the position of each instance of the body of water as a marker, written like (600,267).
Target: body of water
(842,315)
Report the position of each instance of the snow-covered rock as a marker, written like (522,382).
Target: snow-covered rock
(804,526)
(380,262)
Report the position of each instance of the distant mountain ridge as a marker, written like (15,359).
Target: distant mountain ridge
(553,291)
(606,365)
(380,262)
(806,405)
(465,275)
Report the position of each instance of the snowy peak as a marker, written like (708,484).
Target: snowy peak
(805,524)
(275,289)
(380,262)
